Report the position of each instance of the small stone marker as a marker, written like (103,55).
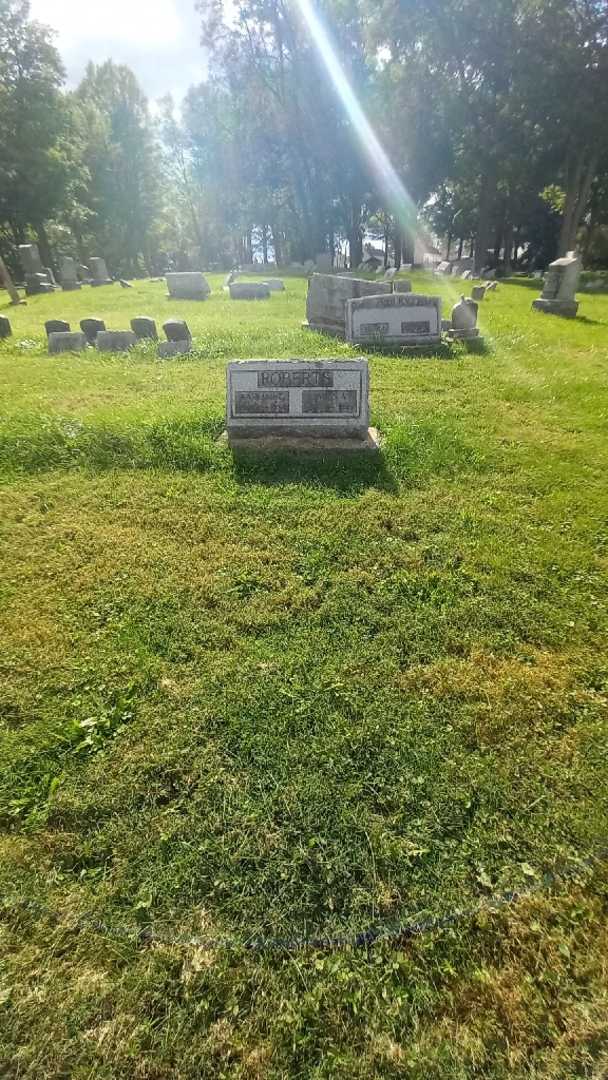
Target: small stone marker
(402,286)
(463,326)
(249,290)
(188,285)
(167,349)
(443,268)
(99,272)
(91,328)
(466,275)
(68,274)
(37,283)
(478,292)
(56,326)
(64,341)
(405,319)
(143,327)
(177,330)
(492,286)
(115,340)
(389,273)
(306,402)
(327,296)
(5,327)
(275,285)
(559,291)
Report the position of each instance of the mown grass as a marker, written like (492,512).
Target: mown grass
(271,699)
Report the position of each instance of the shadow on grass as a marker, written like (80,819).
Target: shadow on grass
(183,445)
(348,473)
(591,322)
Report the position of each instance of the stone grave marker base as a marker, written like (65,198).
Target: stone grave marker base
(566,308)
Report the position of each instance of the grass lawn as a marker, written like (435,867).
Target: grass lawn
(243,702)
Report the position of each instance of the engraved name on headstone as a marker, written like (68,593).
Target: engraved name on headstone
(406,319)
(325,398)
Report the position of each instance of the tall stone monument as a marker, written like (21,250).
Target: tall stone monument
(99,272)
(69,274)
(559,292)
(36,276)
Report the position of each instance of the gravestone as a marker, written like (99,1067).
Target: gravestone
(56,326)
(249,290)
(559,291)
(478,292)
(5,327)
(492,286)
(327,296)
(67,342)
(91,328)
(115,340)
(187,285)
(36,284)
(30,260)
(167,349)
(51,277)
(404,319)
(390,273)
(307,402)
(84,273)
(229,278)
(324,262)
(177,330)
(275,285)
(402,286)
(143,327)
(69,274)
(463,326)
(466,275)
(443,267)
(99,272)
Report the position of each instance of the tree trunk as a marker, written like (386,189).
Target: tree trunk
(460,247)
(408,249)
(397,241)
(508,245)
(7,281)
(265,244)
(44,246)
(579,179)
(355,240)
(484,219)
(447,254)
(277,243)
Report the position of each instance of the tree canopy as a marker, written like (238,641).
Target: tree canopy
(490,115)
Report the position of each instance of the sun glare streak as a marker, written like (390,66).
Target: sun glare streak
(398,200)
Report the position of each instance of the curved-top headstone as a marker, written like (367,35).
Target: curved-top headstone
(56,326)
(188,285)
(91,328)
(177,330)
(5,327)
(327,296)
(478,292)
(68,274)
(144,327)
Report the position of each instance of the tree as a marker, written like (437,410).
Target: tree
(34,167)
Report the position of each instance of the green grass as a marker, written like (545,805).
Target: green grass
(265,699)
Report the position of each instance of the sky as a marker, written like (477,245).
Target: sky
(158,39)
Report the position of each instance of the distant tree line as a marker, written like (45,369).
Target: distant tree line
(492,112)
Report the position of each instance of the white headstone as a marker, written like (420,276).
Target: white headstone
(403,319)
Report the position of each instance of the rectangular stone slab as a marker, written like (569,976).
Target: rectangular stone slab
(297,398)
(400,319)
(327,297)
(188,285)
(249,290)
(64,341)
(115,340)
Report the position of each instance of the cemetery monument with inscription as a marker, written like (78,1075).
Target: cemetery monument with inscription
(559,292)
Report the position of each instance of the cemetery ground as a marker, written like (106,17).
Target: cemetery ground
(248,702)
